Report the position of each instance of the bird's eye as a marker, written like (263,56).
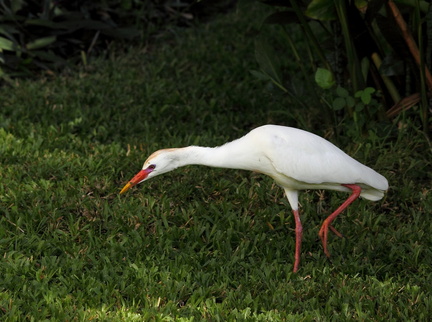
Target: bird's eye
(151,167)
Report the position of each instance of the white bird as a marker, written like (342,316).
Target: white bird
(295,159)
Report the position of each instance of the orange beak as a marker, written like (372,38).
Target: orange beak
(140,176)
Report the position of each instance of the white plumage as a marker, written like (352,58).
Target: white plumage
(295,159)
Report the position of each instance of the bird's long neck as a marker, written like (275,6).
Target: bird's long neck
(231,155)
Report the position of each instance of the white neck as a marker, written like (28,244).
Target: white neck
(233,155)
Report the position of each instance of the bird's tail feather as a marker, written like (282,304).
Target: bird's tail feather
(372,194)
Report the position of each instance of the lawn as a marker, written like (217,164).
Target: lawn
(197,243)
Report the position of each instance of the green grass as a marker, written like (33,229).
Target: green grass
(196,243)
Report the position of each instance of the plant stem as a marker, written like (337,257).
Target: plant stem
(412,46)
(310,34)
(387,81)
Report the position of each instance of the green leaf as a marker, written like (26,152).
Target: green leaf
(323,10)
(342,92)
(259,75)
(369,90)
(324,78)
(6,44)
(339,103)
(267,60)
(359,107)
(16,5)
(365,98)
(350,101)
(365,65)
(41,42)
(365,95)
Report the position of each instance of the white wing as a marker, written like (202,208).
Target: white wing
(311,159)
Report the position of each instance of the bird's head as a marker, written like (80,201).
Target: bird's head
(159,162)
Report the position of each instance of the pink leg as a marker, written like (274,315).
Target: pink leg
(335,232)
(356,190)
(299,234)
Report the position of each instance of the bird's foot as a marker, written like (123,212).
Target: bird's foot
(323,233)
(356,190)
(336,232)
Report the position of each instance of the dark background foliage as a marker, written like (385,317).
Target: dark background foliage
(371,58)
(50,35)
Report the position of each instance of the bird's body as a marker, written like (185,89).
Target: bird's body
(296,159)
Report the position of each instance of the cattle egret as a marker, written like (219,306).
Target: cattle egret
(295,159)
